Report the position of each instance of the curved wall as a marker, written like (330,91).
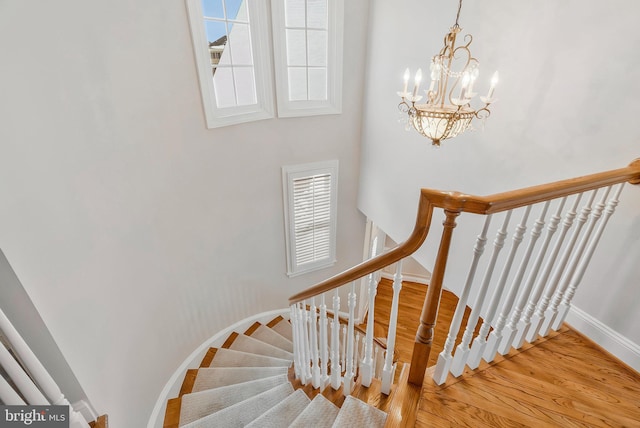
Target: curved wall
(567,106)
(136,231)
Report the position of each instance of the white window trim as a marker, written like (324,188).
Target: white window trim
(264,109)
(294,172)
(333,104)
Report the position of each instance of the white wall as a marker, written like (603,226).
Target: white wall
(567,106)
(19,309)
(137,232)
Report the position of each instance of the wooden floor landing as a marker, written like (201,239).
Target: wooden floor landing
(564,380)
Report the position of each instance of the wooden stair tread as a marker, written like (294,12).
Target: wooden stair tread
(172,413)
(187,383)
(101,422)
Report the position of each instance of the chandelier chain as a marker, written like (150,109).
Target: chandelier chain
(458,14)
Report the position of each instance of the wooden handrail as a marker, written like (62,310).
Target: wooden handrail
(408,247)
(460,202)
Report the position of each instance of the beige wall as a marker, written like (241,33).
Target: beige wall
(567,106)
(137,232)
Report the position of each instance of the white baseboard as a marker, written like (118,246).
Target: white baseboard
(172,386)
(615,343)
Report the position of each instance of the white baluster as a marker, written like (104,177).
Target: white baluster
(331,334)
(306,356)
(533,294)
(343,350)
(297,354)
(444,359)
(516,325)
(584,262)
(495,337)
(560,287)
(538,316)
(356,355)
(367,365)
(40,375)
(594,217)
(389,368)
(480,342)
(324,346)
(313,339)
(462,351)
(8,396)
(25,385)
(510,330)
(349,370)
(376,362)
(336,370)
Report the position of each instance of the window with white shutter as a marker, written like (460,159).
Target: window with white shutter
(310,215)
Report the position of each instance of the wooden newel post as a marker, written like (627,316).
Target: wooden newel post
(424,336)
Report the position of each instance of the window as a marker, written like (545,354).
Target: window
(232,55)
(310,195)
(307,38)
(234,58)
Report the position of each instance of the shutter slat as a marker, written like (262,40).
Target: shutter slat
(312,211)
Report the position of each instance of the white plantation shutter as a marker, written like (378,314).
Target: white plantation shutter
(310,215)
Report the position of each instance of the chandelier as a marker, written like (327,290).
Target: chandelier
(447,110)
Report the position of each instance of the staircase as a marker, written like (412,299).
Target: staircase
(278,374)
(249,381)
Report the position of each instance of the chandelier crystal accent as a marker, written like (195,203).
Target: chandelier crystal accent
(447,110)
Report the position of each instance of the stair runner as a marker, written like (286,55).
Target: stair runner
(246,383)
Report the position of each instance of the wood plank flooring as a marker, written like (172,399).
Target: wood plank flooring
(564,380)
(411,299)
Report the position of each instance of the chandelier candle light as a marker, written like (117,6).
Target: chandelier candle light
(447,111)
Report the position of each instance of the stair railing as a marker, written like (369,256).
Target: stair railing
(31,383)
(530,301)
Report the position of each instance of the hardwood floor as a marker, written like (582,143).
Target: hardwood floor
(411,299)
(564,380)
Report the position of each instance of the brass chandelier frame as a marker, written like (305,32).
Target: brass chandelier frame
(443,115)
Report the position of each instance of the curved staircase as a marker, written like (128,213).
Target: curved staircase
(263,378)
(249,381)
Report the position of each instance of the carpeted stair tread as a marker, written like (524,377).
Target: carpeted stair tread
(200,404)
(246,383)
(216,377)
(267,335)
(282,414)
(320,413)
(283,328)
(356,414)
(241,414)
(232,358)
(248,344)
